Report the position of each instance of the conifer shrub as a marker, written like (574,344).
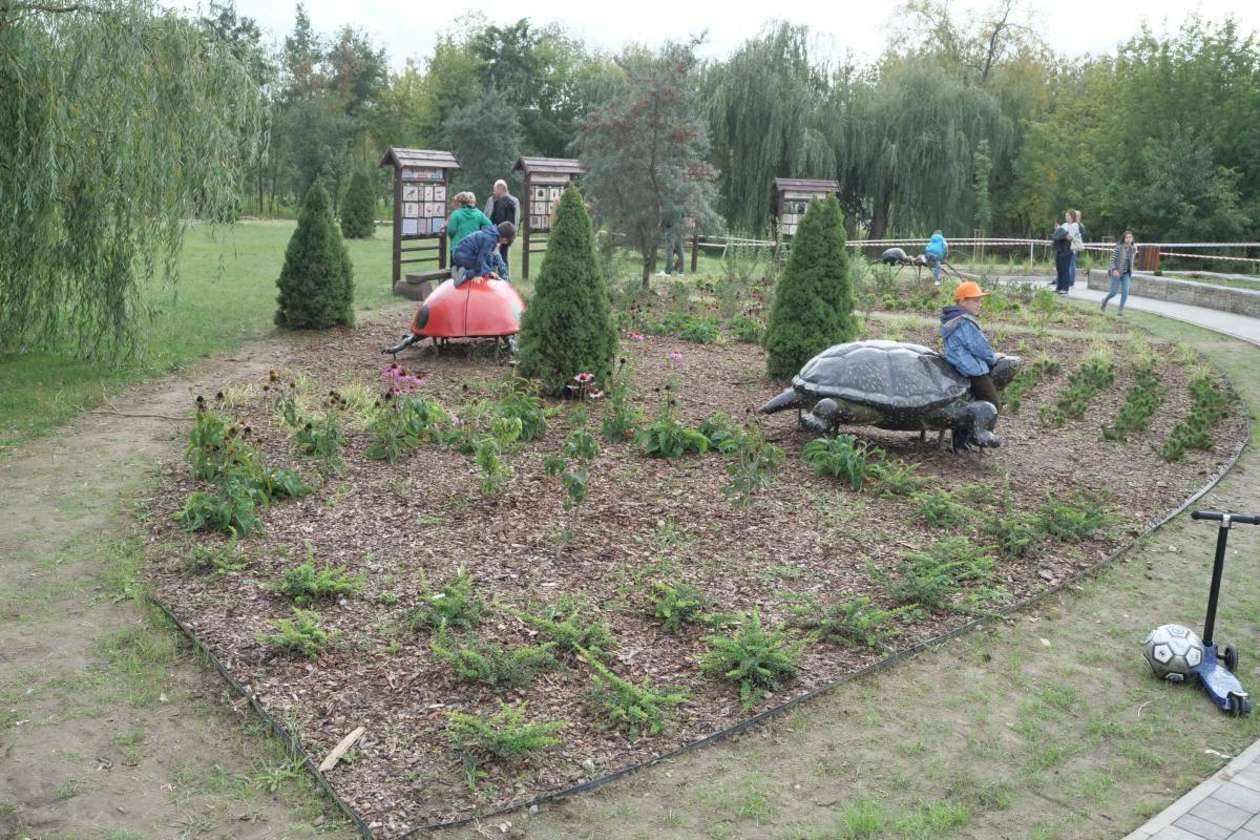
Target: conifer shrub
(568,326)
(317,281)
(813,301)
(358,208)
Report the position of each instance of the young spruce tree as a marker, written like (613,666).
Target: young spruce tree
(568,328)
(358,208)
(317,281)
(813,303)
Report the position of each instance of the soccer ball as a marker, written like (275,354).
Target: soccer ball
(1173,652)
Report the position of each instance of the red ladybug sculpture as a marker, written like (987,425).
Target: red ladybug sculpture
(484,307)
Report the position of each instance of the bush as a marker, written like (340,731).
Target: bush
(317,281)
(894,479)
(759,660)
(568,327)
(813,301)
(1144,398)
(564,621)
(492,664)
(639,709)
(932,578)
(1077,519)
(503,737)
(746,329)
(676,604)
(300,634)
(232,509)
(358,208)
(1209,406)
(400,424)
(937,507)
(857,622)
(456,605)
(305,583)
(843,457)
(700,329)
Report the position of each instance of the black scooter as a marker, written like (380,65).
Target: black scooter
(1216,673)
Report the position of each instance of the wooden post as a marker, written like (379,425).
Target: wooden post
(695,250)
(529,197)
(397,232)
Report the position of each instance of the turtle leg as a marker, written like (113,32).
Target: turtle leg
(984,418)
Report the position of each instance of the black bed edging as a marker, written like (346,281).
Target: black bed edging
(296,750)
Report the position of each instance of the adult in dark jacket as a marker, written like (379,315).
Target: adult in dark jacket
(1062,259)
(477,256)
(501,207)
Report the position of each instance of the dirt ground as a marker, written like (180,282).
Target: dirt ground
(1043,726)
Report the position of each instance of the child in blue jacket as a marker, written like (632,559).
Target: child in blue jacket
(935,253)
(477,254)
(966,348)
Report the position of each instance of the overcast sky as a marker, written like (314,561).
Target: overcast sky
(407,27)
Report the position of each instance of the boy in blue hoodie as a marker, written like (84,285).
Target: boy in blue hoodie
(935,253)
(966,348)
(477,254)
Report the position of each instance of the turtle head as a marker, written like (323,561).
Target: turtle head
(1005,369)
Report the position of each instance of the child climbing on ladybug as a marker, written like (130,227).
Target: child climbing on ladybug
(477,254)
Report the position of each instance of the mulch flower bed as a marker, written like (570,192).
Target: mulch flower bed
(644,520)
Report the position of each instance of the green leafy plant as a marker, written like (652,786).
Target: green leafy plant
(622,417)
(307,583)
(1144,398)
(894,478)
(233,508)
(491,663)
(301,634)
(456,605)
(1027,379)
(676,604)
(856,622)
(843,457)
(640,709)
(759,660)
(754,462)
(523,404)
(1075,519)
(1095,373)
(938,508)
(322,438)
(1209,405)
(666,437)
(504,736)
(746,329)
(933,577)
(218,560)
(399,424)
(700,329)
(566,622)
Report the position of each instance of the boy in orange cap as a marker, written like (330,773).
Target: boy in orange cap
(966,348)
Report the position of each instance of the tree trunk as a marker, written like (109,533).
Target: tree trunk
(879,219)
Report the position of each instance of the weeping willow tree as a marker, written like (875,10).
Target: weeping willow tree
(904,141)
(764,122)
(119,121)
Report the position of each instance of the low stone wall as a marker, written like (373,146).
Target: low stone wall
(1220,298)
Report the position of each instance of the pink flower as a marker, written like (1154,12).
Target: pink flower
(596,395)
(675,356)
(584,378)
(634,336)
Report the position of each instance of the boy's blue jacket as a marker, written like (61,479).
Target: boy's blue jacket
(937,247)
(474,250)
(966,348)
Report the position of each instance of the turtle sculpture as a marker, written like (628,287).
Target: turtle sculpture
(892,385)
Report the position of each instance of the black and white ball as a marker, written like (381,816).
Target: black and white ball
(1173,652)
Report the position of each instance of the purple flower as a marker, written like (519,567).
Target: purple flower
(634,336)
(675,356)
(584,378)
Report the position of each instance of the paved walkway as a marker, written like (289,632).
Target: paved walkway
(1225,806)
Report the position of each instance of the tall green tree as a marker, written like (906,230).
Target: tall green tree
(813,301)
(317,281)
(646,152)
(358,209)
(764,116)
(982,171)
(119,121)
(486,139)
(568,328)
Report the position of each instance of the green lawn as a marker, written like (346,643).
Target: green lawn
(226,295)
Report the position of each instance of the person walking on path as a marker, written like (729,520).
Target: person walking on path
(674,243)
(1120,271)
(935,253)
(1078,234)
(466,219)
(504,207)
(1062,259)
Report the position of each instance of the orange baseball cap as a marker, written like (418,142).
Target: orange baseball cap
(968,289)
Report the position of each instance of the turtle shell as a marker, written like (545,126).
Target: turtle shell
(887,375)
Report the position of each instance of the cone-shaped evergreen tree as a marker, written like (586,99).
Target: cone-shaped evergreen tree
(568,328)
(813,303)
(358,208)
(317,281)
